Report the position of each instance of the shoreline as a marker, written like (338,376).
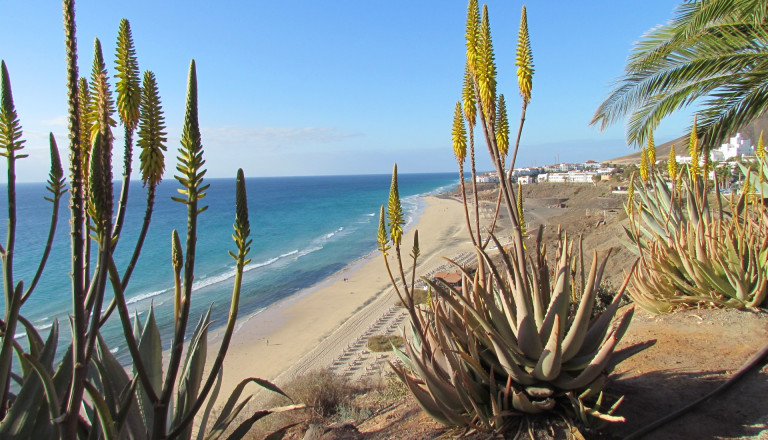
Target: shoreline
(307,330)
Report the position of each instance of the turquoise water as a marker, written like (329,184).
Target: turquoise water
(304,229)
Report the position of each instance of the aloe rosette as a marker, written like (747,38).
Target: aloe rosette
(505,345)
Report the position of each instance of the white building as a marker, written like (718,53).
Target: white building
(525,180)
(735,148)
(570,177)
(487,178)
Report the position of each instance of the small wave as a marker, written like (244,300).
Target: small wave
(373,214)
(442,189)
(288,254)
(205,282)
(44,327)
(328,236)
(145,296)
(114,350)
(242,322)
(255,266)
(309,251)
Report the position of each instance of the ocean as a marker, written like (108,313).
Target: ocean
(304,229)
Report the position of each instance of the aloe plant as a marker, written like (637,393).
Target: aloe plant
(87,393)
(694,254)
(502,345)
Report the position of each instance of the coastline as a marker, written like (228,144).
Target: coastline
(307,330)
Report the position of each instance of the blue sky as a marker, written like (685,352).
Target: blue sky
(343,87)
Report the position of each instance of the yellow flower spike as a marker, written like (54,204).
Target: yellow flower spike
(152,134)
(177,260)
(672,164)
(381,238)
(395,211)
(693,150)
(86,123)
(651,151)
(524,60)
(486,68)
(521,211)
(760,153)
(502,127)
(459,135)
(468,98)
(644,165)
(707,163)
(631,195)
(472,35)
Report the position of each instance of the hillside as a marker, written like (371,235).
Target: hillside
(750,131)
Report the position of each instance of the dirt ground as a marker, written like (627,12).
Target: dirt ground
(685,355)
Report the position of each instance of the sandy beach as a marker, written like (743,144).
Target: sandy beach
(326,325)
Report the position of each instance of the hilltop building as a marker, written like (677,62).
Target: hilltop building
(737,147)
(563,172)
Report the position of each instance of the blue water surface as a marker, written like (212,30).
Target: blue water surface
(304,229)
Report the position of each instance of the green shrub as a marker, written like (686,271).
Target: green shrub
(420,296)
(379,343)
